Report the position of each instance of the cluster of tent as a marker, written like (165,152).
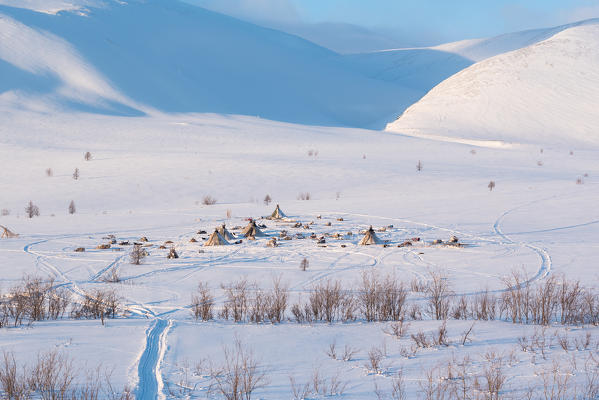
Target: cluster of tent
(222,237)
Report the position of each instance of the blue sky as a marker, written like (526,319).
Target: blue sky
(446,18)
(413,22)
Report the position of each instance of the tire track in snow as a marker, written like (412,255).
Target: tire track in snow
(150,382)
(545,267)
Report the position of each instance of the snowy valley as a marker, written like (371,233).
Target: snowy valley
(135,141)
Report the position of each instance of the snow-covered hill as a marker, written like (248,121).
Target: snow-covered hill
(423,68)
(166,55)
(546,93)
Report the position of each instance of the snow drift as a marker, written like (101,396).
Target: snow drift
(546,93)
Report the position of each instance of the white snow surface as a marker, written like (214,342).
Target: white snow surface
(546,93)
(147,178)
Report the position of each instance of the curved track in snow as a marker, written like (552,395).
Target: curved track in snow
(150,383)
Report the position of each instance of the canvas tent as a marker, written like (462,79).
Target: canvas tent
(216,239)
(225,233)
(369,238)
(251,230)
(278,214)
(6,233)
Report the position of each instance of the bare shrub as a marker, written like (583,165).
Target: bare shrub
(202,303)
(484,306)
(87,156)
(304,264)
(332,350)
(300,392)
(237,303)
(466,335)
(137,255)
(49,172)
(52,376)
(208,200)
(432,386)
(397,329)
(32,210)
(304,196)
(419,166)
(348,353)
(440,339)
(374,361)
(438,292)
(76,174)
(240,375)
(491,186)
(72,208)
(99,304)
(382,299)
(111,276)
(494,377)
(12,379)
(329,302)
(267,199)
(421,340)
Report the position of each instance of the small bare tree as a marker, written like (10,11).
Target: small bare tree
(202,303)
(76,174)
(137,254)
(438,292)
(32,210)
(419,166)
(208,200)
(240,375)
(72,209)
(267,199)
(491,186)
(304,264)
(49,172)
(87,156)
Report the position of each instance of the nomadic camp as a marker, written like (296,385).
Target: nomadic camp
(277,213)
(7,234)
(216,239)
(370,238)
(225,233)
(251,230)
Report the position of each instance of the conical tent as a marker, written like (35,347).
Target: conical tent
(278,214)
(225,233)
(369,238)
(252,230)
(6,233)
(216,239)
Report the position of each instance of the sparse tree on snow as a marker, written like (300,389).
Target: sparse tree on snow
(76,174)
(72,208)
(32,210)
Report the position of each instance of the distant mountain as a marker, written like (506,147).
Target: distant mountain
(137,56)
(545,93)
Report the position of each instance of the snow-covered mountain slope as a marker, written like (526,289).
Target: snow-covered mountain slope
(547,93)
(176,57)
(424,68)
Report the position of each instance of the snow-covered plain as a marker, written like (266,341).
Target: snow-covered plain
(149,174)
(76,78)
